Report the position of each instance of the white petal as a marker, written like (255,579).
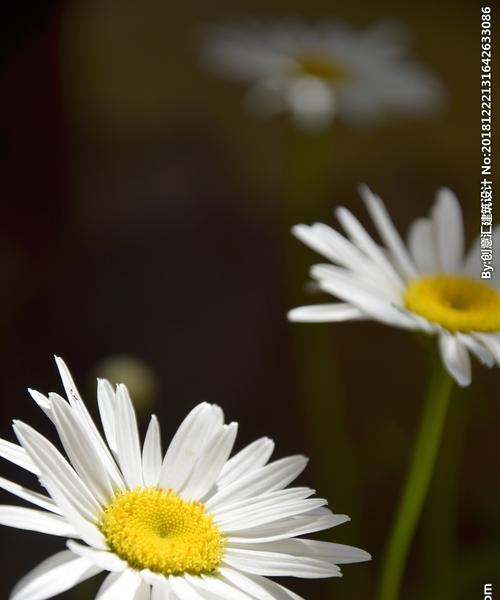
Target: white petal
(17,454)
(335,553)
(106,561)
(479,350)
(320,313)
(187,446)
(53,576)
(214,584)
(274,476)
(364,241)
(42,401)
(30,496)
(120,586)
(106,401)
(127,439)
(273,564)
(491,342)
(256,586)
(388,232)
(183,590)
(455,358)
(66,489)
(209,465)
(448,224)
(287,528)
(311,102)
(350,290)
(82,451)
(35,520)
(151,453)
(422,245)
(54,467)
(251,458)
(161,592)
(83,414)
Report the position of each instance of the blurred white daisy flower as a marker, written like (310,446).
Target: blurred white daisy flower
(192,525)
(318,72)
(427,284)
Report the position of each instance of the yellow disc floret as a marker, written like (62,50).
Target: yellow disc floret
(323,67)
(157,530)
(455,302)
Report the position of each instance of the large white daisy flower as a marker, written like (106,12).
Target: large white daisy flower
(428,284)
(191,525)
(316,72)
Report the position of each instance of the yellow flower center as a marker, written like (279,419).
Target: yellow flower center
(323,67)
(157,530)
(456,302)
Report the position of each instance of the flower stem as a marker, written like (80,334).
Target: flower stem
(417,482)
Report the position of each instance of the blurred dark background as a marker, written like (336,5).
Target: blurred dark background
(145,214)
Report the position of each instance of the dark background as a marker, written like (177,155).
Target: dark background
(144,213)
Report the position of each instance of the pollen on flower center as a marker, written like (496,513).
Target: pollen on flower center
(323,67)
(157,530)
(456,302)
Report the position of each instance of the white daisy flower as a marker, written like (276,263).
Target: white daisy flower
(318,72)
(191,525)
(427,284)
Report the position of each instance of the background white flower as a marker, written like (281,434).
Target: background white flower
(428,284)
(194,524)
(318,72)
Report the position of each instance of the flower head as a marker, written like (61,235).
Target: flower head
(191,525)
(318,72)
(428,284)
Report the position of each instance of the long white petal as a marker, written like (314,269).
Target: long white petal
(82,451)
(257,586)
(480,351)
(53,576)
(151,453)
(375,305)
(455,358)
(106,561)
(127,439)
(388,232)
(106,400)
(491,342)
(247,460)
(274,476)
(215,585)
(42,401)
(81,410)
(186,446)
(120,586)
(210,464)
(273,564)
(54,467)
(29,495)
(335,553)
(17,454)
(330,313)
(66,489)
(448,222)
(35,520)
(184,590)
(287,528)
(422,245)
(364,241)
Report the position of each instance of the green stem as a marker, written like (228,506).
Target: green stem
(417,482)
